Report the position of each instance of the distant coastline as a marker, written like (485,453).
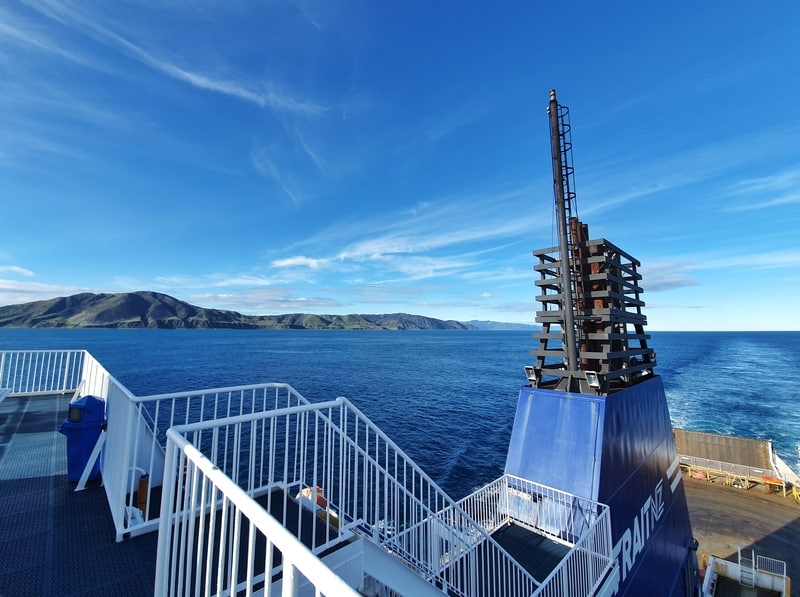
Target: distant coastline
(146,309)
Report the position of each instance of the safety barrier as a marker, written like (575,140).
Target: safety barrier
(732,474)
(33,372)
(330,459)
(220,541)
(140,424)
(582,524)
(771,565)
(135,440)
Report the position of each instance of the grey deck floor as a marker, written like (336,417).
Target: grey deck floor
(537,554)
(730,588)
(53,540)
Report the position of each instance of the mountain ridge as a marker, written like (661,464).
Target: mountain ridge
(148,309)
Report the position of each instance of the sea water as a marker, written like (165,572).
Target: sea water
(447,398)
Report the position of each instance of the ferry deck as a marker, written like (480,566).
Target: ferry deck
(56,541)
(379,539)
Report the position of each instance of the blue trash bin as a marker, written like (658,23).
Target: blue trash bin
(85,421)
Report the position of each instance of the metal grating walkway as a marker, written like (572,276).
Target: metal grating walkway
(536,553)
(53,540)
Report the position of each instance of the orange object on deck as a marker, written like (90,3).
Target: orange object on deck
(310,492)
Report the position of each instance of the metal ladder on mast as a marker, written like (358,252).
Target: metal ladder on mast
(568,185)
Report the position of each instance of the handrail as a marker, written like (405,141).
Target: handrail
(136,425)
(361,484)
(183,408)
(734,471)
(147,419)
(237,388)
(35,372)
(771,566)
(239,511)
(582,524)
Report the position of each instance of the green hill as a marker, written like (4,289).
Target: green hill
(155,310)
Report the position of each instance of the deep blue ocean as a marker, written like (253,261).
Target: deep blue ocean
(447,398)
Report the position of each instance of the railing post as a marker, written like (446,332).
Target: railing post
(290,588)
(165,523)
(66,372)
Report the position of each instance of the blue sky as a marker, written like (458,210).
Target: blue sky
(380,157)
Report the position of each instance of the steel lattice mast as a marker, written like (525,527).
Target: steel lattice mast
(590,290)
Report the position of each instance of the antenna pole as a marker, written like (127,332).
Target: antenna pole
(556,150)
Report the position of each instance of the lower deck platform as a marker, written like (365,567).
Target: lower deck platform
(727,587)
(536,553)
(54,540)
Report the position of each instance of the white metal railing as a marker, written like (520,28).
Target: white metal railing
(222,542)
(139,424)
(136,426)
(96,381)
(732,471)
(582,524)
(329,459)
(31,372)
(770,566)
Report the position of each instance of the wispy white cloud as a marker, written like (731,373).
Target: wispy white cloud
(15,269)
(780,181)
(314,154)
(247,280)
(497,275)
(661,276)
(310,13)
(789,199)
(17,145)
(443,223)
(751,260)
(774,190)
(34,149)
(214,280)
(270,97)
(456,119)
(16,31)
(422,267)
(48,110)
(647,176)
(14,292)
(436,239)
(264,93)
(267,168)
(267,301)
(682,271)
(298,261)
(602,199)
